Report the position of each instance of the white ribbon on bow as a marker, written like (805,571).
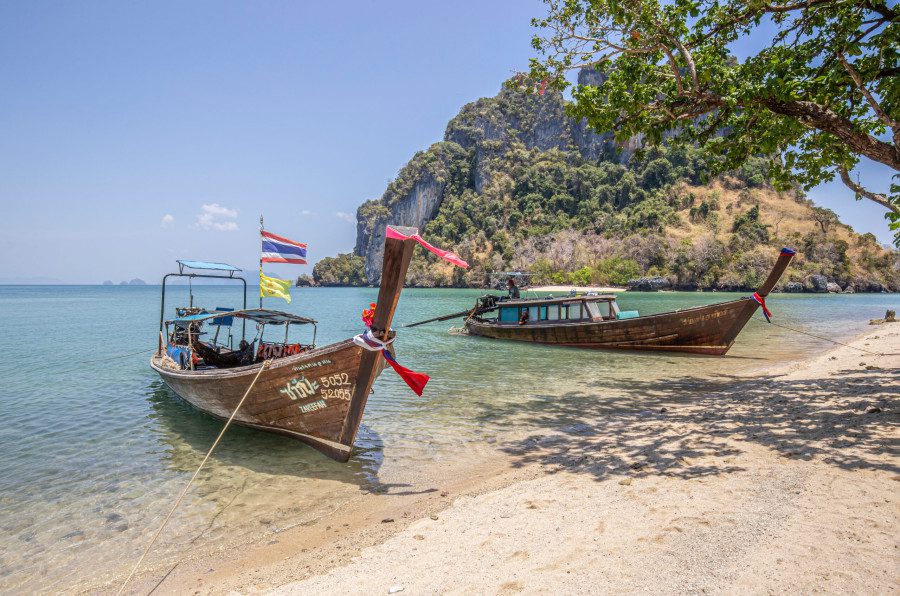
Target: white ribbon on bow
(368,341)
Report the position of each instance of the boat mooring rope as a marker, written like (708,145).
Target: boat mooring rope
(72,366)
(825,339)
(194,477)
(115,357)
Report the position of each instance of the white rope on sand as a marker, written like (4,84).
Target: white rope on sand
(834,341)
(194,477)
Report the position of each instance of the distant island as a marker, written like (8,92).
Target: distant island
(134,282)
(517,184)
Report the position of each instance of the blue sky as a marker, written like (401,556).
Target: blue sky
(137,133)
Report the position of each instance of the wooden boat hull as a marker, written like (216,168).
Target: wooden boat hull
(307,397)
(701,330)
(318,396)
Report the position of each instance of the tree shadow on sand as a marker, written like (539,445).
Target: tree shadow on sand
(660,427)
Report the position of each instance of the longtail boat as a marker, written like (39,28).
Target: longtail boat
(313,394)
(596,321)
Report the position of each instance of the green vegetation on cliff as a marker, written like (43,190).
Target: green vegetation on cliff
(518,185)
(342,270)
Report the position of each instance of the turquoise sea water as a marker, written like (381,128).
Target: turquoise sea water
(94,448)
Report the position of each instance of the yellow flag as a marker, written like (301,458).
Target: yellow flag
(272,287)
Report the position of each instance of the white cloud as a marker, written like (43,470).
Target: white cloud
(306,212)
(344,216)
(167,220)
(216,217)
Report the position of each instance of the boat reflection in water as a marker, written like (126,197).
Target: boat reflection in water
(185,433)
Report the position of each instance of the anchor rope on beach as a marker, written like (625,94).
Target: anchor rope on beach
(72,366)
(194,477)
(138,353)
(834,341)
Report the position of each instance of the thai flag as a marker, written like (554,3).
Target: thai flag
(276,249)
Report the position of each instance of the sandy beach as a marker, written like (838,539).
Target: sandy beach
(783,480)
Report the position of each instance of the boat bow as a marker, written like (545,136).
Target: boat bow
(397,254)
(784,259)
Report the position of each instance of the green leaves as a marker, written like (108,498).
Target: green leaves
(817,98)
(343,270)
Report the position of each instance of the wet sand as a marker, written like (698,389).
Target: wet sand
(783,480)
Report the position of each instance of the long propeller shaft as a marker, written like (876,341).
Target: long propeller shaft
(455,315)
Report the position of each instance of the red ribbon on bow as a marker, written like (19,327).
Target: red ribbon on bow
(444,254)
(762,302)
(415,380)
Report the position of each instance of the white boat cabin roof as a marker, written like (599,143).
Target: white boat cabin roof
(553,300)
(258,315)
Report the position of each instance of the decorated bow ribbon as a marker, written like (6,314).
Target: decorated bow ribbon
(444,254)
(415,380)
(762,302)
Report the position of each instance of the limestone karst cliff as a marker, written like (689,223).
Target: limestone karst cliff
(482,130)
(517,183)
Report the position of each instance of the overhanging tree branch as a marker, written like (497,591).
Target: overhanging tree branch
(876,107)
(670,69)
(878,198)
(826,120)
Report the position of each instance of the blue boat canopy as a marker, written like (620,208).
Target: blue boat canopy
(259,315)
(206,265)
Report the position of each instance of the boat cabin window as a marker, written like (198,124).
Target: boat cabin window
(573,311)
(509,314)
(600,309)
(605,309)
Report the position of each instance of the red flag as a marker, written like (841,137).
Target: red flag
(415,380)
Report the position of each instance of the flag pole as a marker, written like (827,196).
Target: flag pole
(260,258)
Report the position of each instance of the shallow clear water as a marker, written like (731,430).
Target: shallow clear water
(94,448)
